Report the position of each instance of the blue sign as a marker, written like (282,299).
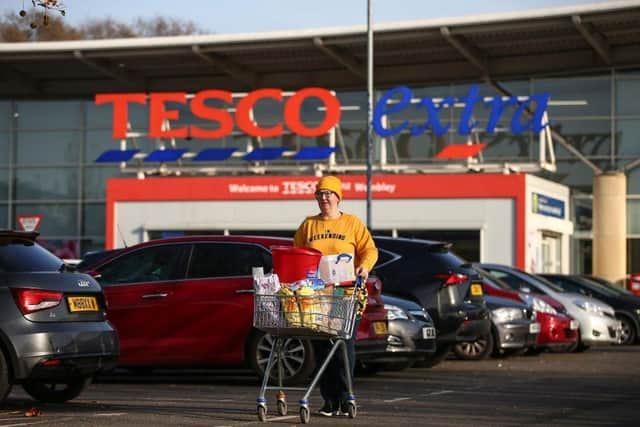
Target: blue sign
(548,206)
(402,97)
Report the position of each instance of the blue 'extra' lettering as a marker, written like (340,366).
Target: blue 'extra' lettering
(402,97)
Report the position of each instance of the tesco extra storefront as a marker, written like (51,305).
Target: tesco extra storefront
(151,137)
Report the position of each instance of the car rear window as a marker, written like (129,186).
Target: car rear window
(23,255)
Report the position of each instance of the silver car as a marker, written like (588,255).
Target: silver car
(597,320)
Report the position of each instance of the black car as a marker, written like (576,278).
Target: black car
(625,304)
(412,336)
(430,274)
(54,336)
(513,328)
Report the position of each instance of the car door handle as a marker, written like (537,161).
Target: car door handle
(245,291)
(155,296)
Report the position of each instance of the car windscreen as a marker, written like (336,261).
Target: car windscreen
(546,282)
(23,255)
(598,287)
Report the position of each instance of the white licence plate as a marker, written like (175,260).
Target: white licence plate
(573,325)
(534,328)
(428,333)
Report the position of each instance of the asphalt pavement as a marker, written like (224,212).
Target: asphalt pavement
(600,387)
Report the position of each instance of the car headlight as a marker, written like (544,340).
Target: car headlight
(506,314)
(539,305)
(588,306)
(394,312)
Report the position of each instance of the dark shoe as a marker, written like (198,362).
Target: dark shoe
(327,410)
(344,409)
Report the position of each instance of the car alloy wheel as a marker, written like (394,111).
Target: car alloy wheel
(475,350)
(628,333)
(298,361)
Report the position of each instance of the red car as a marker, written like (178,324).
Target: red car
(558,330)
(188,301)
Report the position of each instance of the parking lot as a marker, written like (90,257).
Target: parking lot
(600,387)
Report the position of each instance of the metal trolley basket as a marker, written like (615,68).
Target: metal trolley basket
(322,315)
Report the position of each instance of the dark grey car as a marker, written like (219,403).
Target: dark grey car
(412,336)
(54,336)
(513,327)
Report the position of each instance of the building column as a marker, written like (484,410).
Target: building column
(610,226)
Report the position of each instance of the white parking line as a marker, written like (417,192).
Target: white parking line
(110,414)
(397,399)
(436,393)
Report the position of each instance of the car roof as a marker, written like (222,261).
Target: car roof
(262,240)
(29,235)
(409,241)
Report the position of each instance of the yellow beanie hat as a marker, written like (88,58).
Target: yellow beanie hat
(330,183)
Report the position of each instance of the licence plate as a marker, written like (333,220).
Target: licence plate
(573,325)
(380,328)
(82,304)
(476,289)
(428,333)
(534,328)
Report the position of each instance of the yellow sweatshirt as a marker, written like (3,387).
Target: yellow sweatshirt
(346,234)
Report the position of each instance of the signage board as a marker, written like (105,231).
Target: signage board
(29,222)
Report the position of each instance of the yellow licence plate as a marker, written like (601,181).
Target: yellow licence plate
(380,328)
(476,289)
(82,304)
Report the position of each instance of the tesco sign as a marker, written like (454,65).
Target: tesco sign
(392,102)
(158,112)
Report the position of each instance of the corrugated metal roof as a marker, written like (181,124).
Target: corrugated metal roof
(568,40)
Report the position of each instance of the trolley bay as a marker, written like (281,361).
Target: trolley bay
(598,387)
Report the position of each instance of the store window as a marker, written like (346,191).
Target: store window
(627,137)
(49,115)
(591,137)
(633,255)
(4,184)
(6,115)
(576,97)
(101,116)
(93,215)
(4,216)
(95,180)
(5,141)
(46,183)
(48,147)
(627,95)
(633,216)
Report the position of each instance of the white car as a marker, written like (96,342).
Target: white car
(597,320)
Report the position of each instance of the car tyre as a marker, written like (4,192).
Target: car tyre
(441,353)
(5,383)
(479,349)
(299,360)
(56,392)
(629,333)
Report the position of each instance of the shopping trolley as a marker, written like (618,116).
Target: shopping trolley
(328,314)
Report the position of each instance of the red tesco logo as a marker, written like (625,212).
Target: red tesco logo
(158,112)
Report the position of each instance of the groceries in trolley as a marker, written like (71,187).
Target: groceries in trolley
(305,303)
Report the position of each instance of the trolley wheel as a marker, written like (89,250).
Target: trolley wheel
(304,415)
(262,413)
(352,409)
(282,407)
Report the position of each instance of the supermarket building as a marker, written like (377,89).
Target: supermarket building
(565,197)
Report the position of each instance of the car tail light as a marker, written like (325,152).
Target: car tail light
(452,278)
(32,300)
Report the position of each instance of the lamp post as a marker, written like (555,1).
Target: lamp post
(370,134)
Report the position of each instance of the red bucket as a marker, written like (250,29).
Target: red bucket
(292,264)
